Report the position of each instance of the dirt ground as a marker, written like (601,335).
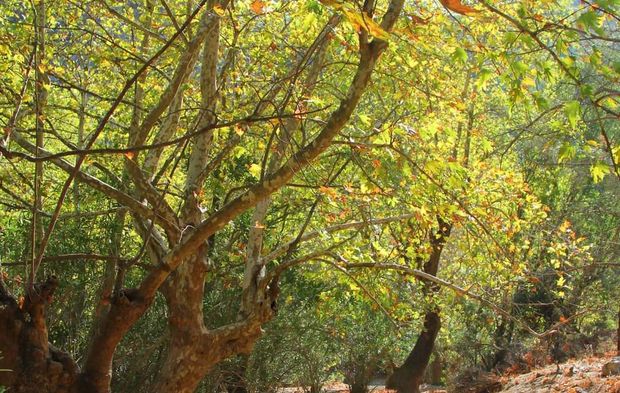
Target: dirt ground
(575,376)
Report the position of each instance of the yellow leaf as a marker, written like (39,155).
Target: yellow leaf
(565,226)
(239,129)
(255,170)
(218,9)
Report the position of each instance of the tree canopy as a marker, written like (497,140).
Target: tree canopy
(189,186)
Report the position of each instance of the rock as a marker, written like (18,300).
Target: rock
(612,368)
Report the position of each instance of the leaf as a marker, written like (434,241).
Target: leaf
(364,21)
(433,166)
(519,68)
(257,6)
(598,171)
(218,9)
(561,281)
(483,77)
(314,6)
(567,152)
(589,21)
(255,170)
(459,54)
(541,102)
(458,7)
(572,110)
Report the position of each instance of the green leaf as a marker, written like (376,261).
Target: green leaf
(572,110)
(598,171)
(459,55)
(541,101)
(566,153)
(314,6)
(483,77)
(590,21)
(519,68)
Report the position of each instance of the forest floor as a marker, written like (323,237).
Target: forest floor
(575,376)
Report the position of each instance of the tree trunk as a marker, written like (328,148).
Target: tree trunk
(408,377)
(191,358)
(184,291)
(436,370)
(33,366)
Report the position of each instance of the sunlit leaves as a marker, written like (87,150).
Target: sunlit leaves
(590,20)
(484,76)
(459,55)
(566,153)
(598,170)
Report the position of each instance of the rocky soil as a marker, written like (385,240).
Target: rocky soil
(574,376)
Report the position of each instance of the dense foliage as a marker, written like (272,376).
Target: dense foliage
(236,196)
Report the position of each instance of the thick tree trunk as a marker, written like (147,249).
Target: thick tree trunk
(194,349)
(185,362)
(184,367)
(190,358)
(33,365)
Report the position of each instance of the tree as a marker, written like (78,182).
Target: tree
(205,148)
(174,230)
